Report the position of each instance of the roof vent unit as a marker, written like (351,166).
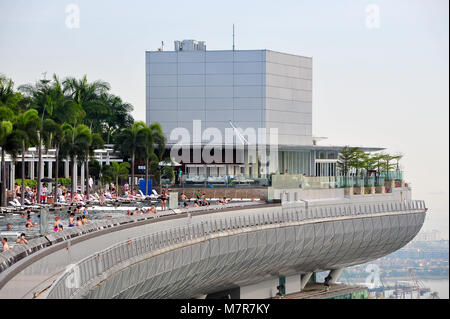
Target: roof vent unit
(190,45)
(201,46)
(178,46)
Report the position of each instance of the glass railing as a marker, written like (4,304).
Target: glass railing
(379,181)
(359,181)
(281,181)
(346,181)
(222,181)
(369,181)
(392,175)
(305,182)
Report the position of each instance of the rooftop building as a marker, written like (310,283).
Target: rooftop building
(262,97)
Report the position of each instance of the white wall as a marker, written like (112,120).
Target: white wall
(251,88)
(212,86)
(289,97)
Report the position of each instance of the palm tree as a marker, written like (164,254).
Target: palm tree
(160,143)
(25,128)
(48,99)
(6,128)
(39,97)
(117,170)
(76,144)
(87,95)
(118,116)
(129,141)
(9,100)
(159,139)
(146,149)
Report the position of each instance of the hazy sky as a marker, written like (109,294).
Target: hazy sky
(377,82)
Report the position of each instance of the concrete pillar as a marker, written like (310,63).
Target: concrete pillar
(50,167)
(82,181)
(42,170)
(66,167)
(246,165)
(256,167)
(333,276)
(304,278)
(31,170)
(74,174)
(13,175)
(312,171)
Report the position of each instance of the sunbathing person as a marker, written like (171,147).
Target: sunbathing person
(22,239)
(102,199)
(71,220)
(28,224)
(222,201)
(56,224)
(205,202)
(5,244)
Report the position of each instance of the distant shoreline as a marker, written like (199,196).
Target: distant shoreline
(402,278)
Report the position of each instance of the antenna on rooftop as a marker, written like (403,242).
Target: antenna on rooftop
(244,141)
(233,36)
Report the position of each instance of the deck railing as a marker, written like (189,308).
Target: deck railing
(92,268)
(20,251)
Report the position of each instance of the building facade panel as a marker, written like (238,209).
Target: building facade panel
(250,88)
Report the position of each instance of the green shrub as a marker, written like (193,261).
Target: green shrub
(28,182)
(65,181)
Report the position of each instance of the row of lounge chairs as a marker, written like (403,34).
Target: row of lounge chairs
(198,179)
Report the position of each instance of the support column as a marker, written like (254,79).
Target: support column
(82,181)
(304,278)
(333,276)
(313,164)
(50,167)
(13,175)
(74,173)
(246,164)
(66,167)
(42,171)
(31,170)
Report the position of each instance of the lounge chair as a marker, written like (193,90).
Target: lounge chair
(15,203)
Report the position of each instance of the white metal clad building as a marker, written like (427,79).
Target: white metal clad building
(250,88)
